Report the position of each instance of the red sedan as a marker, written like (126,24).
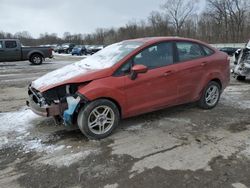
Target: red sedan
(129,78)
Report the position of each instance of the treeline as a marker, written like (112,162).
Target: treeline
(221,21)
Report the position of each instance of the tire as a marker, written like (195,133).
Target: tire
(36,59)
(102,125)
(241,78)
(210,96)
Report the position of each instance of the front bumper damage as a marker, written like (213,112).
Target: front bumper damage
(242,64)
(65,110)
(242,69)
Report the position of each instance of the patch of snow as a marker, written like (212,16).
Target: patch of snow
(69,55)
(58,160)
(15,126)
(115,185)
(38,146)
(134,127)
(17,122)
(239,185)
(110,55)
(60,75)
(15,130)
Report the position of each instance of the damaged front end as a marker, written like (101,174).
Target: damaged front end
(61,102)
(242,63)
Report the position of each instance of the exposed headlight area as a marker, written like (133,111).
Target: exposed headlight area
(60,101)
(60,93)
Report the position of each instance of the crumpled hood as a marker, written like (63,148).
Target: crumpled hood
(74,73)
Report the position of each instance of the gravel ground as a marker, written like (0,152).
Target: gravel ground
(182,146)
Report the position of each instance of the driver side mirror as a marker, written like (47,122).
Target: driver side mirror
(137,69)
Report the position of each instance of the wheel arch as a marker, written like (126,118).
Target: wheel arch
(217,80)
(112,100)
(206,82)
(34,53)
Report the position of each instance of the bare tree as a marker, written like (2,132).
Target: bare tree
(220,21)
(179,11)
(230,17)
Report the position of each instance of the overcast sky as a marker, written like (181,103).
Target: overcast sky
(75,16)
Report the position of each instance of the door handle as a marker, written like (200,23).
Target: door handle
(168,73)
(204,64)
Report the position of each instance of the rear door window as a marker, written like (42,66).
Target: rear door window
(10,44)
(188,51)
(155,56)
(1,44)
(208,51)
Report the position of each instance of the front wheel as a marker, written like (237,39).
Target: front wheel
(98,119)
(36,59)
(210,96)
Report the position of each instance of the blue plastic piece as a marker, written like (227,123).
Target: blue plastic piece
(68,114)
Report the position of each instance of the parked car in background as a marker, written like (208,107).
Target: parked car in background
(96,48)
(12,50)
(66,48)
(229,50)
(131,78)
(88,49)
(79,50)
(53,46)
(56,49)
(92,49)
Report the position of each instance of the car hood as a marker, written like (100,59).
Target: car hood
(74,73)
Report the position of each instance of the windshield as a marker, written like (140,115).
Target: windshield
(110,55)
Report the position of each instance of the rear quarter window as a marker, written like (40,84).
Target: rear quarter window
(10,44)
(208,51)
(188,51)
(1,44)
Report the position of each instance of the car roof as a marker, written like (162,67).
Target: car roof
(152,40)
(160,39)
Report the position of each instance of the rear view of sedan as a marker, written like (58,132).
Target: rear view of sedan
(130,78)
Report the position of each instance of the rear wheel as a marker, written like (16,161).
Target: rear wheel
(98,119)
(210,96)
(36,59)
(241,78)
